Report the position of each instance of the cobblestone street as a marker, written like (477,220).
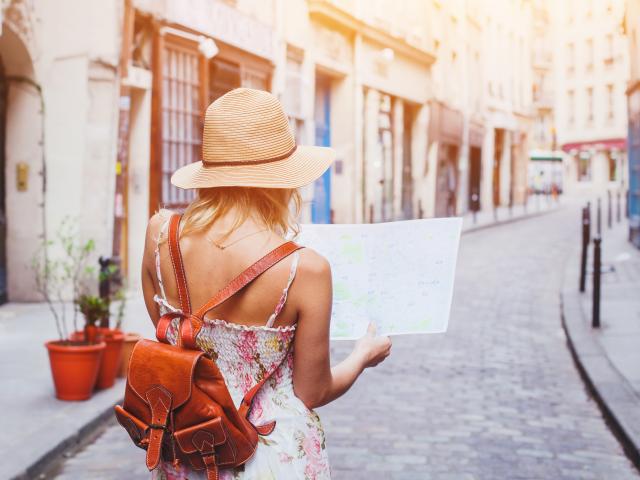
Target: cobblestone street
(497,397)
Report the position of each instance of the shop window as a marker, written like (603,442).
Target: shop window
(181,130)
(584,167)
(613,166)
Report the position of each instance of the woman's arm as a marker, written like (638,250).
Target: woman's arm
(149,266)
(314,381)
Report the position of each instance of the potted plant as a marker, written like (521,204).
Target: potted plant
(74,362)
(96,311)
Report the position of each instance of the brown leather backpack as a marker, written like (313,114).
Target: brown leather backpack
(176,405)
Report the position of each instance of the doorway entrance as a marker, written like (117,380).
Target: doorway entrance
(497,160)
(3,216)
(475,156)
(446,180)
(321,204)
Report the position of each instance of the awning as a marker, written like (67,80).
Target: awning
(545,155)
(605,144)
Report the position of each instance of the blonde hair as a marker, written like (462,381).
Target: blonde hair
(269,206)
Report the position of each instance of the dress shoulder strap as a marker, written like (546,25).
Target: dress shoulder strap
(285,291)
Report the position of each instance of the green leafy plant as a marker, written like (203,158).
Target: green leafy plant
(60,266)
(93,308)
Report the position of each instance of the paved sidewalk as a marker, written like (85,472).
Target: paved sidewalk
(536,205)
(37,426)
(46,426)
(609,357)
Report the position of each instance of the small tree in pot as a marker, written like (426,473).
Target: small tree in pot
(74,362)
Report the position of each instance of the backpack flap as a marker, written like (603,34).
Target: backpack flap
(209,439)
(154,364)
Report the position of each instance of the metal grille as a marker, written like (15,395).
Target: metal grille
(181,130)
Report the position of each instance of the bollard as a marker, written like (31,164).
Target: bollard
(618,216)
(609,215)
(585,248)
(599,218)
(597,271)
(589,220)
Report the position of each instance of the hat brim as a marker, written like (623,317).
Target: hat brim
(302,167)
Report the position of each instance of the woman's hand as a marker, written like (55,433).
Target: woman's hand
(371,349)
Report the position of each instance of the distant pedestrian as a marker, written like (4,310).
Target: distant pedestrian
(280,322)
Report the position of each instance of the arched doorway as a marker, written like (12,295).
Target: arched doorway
(21,167)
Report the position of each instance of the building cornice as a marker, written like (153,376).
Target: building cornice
(325,11)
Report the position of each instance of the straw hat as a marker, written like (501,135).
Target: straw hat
(247,142)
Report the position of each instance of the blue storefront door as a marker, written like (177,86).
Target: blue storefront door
(321,204)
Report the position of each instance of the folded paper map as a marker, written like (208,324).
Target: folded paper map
(398,275)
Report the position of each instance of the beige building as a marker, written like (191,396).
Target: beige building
(591,64)
(456,121)
(507,42)
(545,160)
(58,123)
(428,113)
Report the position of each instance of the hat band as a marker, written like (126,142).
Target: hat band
(250,162)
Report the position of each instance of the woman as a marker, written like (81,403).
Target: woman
(246,183)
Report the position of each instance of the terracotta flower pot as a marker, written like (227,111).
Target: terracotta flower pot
(130,340)
(90,333)
(111,358)
(74,368)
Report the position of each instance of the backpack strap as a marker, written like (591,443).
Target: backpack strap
(178,265)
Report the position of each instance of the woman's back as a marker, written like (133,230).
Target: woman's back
(208,269)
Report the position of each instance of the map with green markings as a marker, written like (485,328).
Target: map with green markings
(399,275)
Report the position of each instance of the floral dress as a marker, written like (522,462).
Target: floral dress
(244,354)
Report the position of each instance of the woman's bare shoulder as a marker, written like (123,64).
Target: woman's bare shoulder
(157,220)
(313,264)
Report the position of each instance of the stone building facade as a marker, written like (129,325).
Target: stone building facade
(591,63)
(426,118)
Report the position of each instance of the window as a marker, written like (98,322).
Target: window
(608,56)
(257,79)
(223,77)
(590,54)
(590,105)
(571,57)
(610,103)
(181,129)
(292,99)
(571,107)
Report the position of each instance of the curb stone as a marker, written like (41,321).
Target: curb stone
(47,459)
(619,404)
